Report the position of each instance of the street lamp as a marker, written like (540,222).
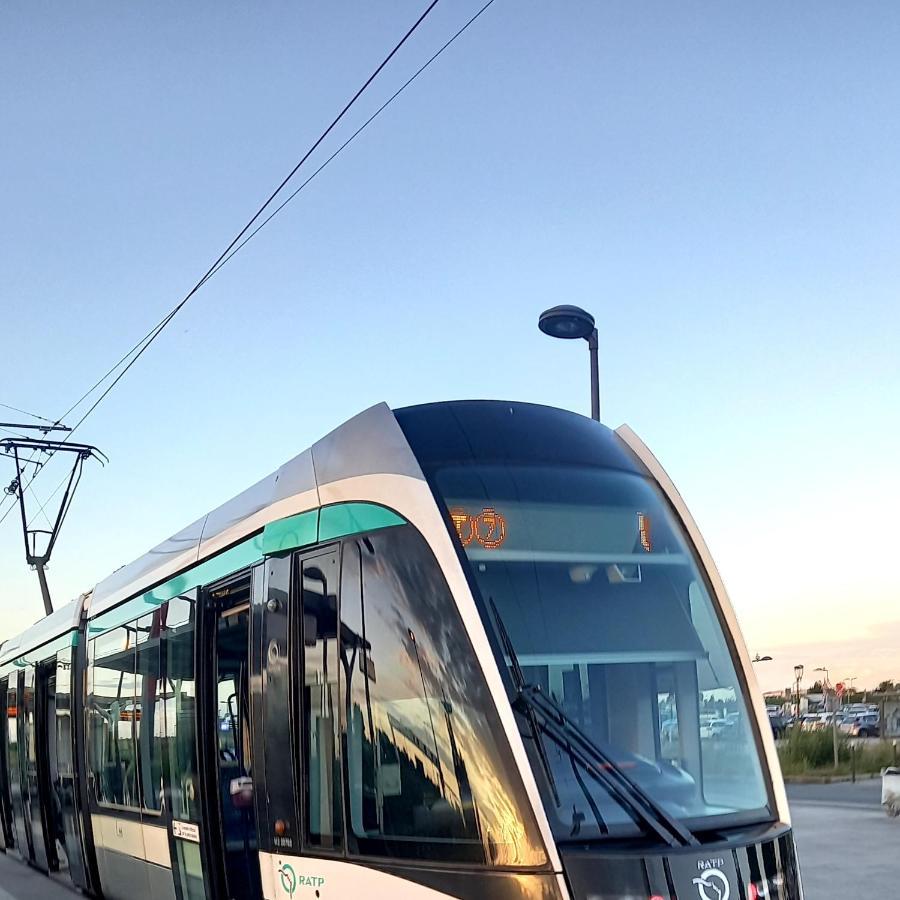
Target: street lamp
(834,739)
(798,677)
(569,323)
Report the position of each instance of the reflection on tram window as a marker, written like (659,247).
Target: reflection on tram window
(320,701)
(179,695)
(111,712)
(180,708)
(607,612)
(149,718)
(426,776)
(12,763)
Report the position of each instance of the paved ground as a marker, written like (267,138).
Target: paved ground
(18,882)
(848,847)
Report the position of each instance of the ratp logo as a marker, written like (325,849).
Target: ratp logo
(713,885)
(288,878)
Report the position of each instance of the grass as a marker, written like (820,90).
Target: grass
(812,753)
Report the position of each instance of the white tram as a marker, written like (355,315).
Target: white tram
(462,650)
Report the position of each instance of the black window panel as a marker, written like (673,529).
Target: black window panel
(318,621)
(31,787)
(14,765)
(65,781)
(499,431)
(428,774)
(278,817)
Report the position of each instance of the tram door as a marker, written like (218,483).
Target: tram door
(14,766)
(225,757)
(6,835)
(48,768)
(38,745)
(62,770)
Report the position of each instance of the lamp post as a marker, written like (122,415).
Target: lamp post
(569,323)
(834,739)
(798,677)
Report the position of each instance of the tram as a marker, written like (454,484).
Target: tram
(460,650)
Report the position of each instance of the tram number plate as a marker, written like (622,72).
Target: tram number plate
(187,831)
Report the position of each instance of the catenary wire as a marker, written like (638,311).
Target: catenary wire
(349,140)
(31,415)
(236,246)
(151,335)
(138,349)
(239,243)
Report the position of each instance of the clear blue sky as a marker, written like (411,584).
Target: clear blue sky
(718,183)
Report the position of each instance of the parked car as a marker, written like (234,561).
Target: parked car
(777,722)
(867,725)
(713,728)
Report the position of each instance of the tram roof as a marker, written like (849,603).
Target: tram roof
(369,443)
(58,623)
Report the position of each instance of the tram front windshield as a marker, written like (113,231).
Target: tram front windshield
(604,605)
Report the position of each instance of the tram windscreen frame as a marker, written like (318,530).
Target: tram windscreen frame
(609,612)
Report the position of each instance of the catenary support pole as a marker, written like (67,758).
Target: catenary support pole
(595,375)
(45,590)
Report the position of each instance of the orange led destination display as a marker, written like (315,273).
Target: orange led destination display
(644,531)
(487,528)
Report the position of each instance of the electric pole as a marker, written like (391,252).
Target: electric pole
(39,542)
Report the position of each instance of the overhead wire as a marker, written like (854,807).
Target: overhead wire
(243,238)
(29,414)
(138,349)
(141,346)
(350,139)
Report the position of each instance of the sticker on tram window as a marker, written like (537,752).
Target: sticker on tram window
(487,528)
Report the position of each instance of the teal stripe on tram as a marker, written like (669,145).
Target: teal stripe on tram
(345,519)
(39,654)
(291,533)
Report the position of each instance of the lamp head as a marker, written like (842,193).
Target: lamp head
(567,322)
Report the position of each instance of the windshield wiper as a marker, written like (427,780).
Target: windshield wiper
(545,714)
(520,683)
(598,763)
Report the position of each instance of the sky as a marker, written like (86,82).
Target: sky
(717,183)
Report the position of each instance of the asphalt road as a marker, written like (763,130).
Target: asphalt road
(847,845)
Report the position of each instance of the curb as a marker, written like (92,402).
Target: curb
(828,779)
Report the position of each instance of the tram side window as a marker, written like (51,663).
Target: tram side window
(426,776)
(149,712)
(180,730)
(112,756)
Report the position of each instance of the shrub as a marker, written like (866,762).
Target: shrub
(804,750)
(812,753)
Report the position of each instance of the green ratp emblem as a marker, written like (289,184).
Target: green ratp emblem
(288,878)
